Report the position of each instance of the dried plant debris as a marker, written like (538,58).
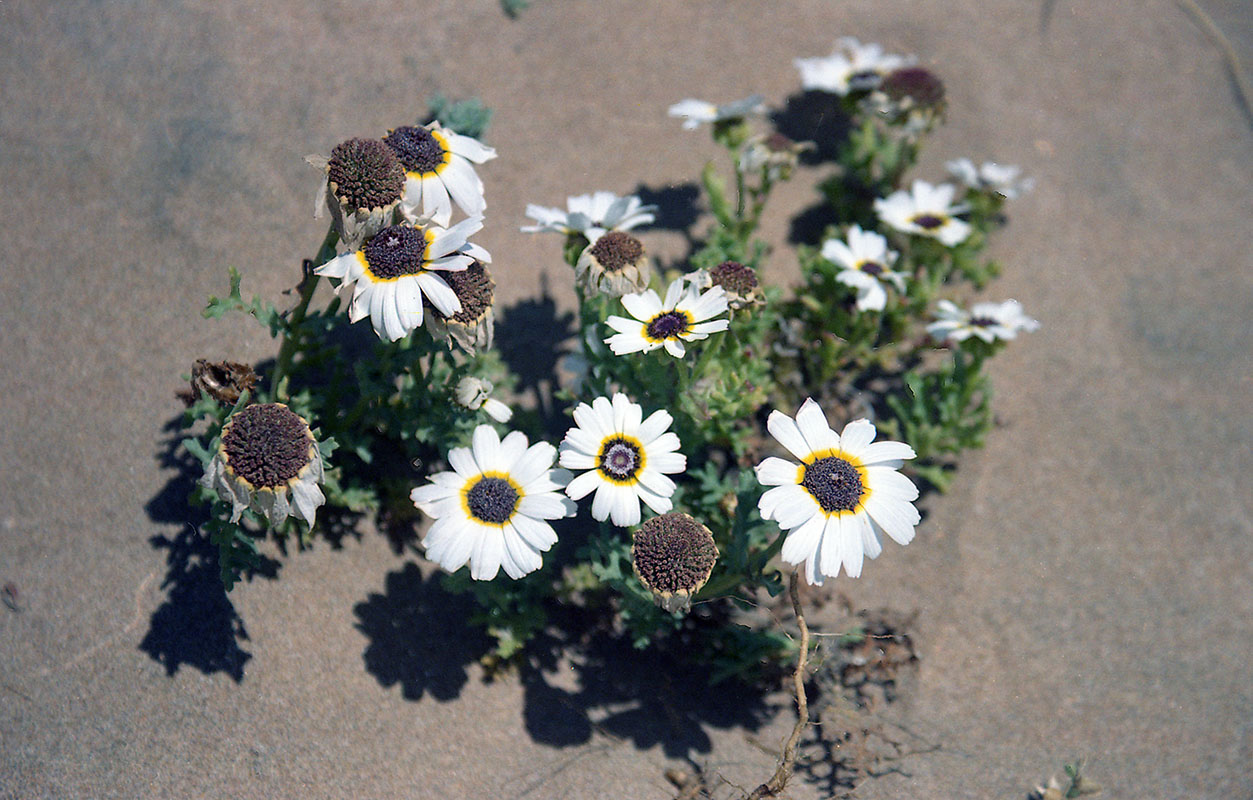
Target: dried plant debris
(868,664)
(1077,785)
(224,381)
(851,744)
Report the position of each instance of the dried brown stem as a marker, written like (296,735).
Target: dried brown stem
(787,762)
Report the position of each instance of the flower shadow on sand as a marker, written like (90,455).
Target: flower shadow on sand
(420,635)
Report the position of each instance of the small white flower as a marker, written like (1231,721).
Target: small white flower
(626,458)
(680,317)
(399,266)
(925,210)
(845,492)
(1003,179)
(852,66)
(697,111)
(264,451)
(866,261)
(491,509)
(475,393)
(438,171)
(986,321)
(591,215)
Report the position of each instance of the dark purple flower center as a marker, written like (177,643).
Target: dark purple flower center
(366,174)
(667,325)
(872,268)
(619,459)
(266,444)
(492,500)
(616,251)
(416,148)
(928,221)
(834,483)
(395,251)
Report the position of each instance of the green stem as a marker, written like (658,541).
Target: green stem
(309,283)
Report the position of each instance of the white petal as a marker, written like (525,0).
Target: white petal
(856,436)
(869,539)
(464,186)
(885,451)
(812,424)
(439,293)
(668,463)
(658,503)
(486,447)
(489,551)
(539,535)
(436,204)
(802,542)
(655,482)
(643,306)
(512,448)
(667,442)
(657,423)
(777,472)
(520,558)
(783,429)
(602,503)
(895,517)
(582,441)
(832,550)
(462,461)
(626,506)
(582,485)
(889,482)
(546,505)
(675,348)
(337,267)
(773,501)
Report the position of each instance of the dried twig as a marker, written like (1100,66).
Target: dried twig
(787,762)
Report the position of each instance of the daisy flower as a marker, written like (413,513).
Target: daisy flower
(265,451)
(398,267)
(867,263)
(925,210)
(1002,179)
(475,393)
(492,508)
(474,326)
(695,112)
(680,317)
(438,171)
(362,186)
(986,321)
(852,66)
(591,215)
(672,555)
(626,459)
(845,492)
(614,264)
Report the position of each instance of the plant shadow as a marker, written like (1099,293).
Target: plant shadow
(533,337)
(197,625)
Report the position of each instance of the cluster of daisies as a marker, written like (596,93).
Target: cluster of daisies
(404,261)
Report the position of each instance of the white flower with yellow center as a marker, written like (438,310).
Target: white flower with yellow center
(492,508)
(867,264)
(925,210)
(681,316)
(986,321)
(845,492)
(265,451)
(592,215)
(397,267)
(694,112)
(626,457)
(852,66)
(438,171)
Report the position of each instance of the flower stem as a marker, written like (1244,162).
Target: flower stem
(787,762)
(308,283)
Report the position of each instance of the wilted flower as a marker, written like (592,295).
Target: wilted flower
(844,493)
(614,264)
(591,215)
(925,210)
(695,112)
(475,393)
(867,264)
(363,185)
(473,327)
(986,321)
(264,451)
(1002,179)
(438,171)
(851,67)
(672,555)
(626,458)
(224,381)
(492,508)
(680,317)
(738,281)
(912,97)
(398,267)
(776,154)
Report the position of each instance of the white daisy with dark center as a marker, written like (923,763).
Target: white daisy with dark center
(400,265)
(683,316)
(492,509)
(438,171)
(626,458)
(591,215)
(845,492)
(925,210)
(867,264)
(266,451)
(694,112)
(986,321)
(672,555)
(851,67)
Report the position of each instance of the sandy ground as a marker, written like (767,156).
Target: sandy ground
(1084,589)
